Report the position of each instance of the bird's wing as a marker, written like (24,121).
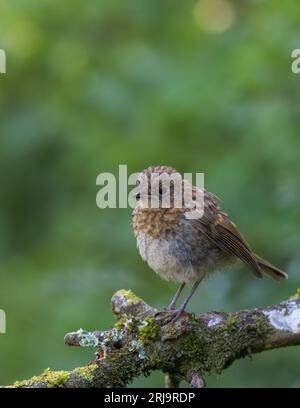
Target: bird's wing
(219,229)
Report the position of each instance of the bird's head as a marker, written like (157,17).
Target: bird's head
(159,187)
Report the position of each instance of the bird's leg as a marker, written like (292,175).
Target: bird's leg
(183,306)
(175,298)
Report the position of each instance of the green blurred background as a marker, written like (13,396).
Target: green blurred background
(205,86)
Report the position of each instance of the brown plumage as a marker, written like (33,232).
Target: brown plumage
(186,250)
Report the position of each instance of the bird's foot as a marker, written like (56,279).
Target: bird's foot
(169,315)
(178,313)
(162,314)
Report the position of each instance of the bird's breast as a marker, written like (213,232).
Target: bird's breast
(167,257)
(157,223)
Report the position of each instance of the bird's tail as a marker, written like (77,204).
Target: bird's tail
(270,269)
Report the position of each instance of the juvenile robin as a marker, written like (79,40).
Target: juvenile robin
(186,249)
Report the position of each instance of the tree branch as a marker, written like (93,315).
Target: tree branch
(189,349)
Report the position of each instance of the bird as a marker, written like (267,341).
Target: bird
(186,249)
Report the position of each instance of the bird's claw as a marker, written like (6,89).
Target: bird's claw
(161,314)
(177,316)
(165,314)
